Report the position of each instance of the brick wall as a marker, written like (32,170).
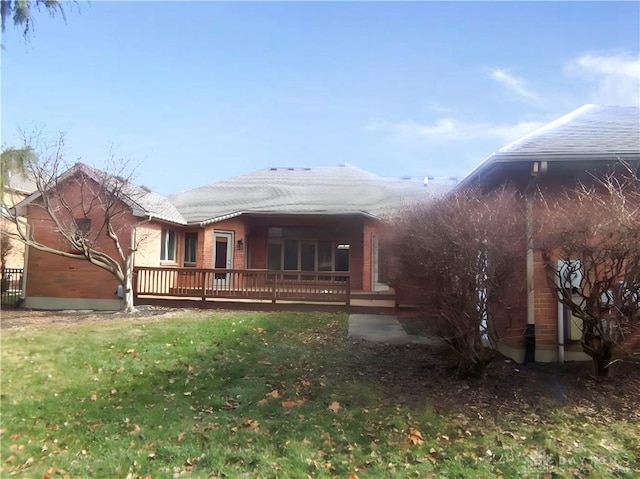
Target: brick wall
(51,275)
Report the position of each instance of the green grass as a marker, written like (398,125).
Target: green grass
(194,397)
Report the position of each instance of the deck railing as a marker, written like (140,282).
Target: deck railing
(242,284)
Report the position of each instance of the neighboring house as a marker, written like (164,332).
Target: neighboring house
(16,188)
(580,146)
(322,219)
(57,282)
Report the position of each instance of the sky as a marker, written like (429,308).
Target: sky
(190,93)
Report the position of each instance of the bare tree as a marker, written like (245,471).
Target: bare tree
(21,12)
(590,242)
(459,255)
(89,209)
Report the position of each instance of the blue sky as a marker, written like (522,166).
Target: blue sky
(195,92)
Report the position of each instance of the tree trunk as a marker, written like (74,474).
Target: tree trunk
(127,287)
(601,352)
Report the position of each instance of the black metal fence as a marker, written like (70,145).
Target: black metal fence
(11,286)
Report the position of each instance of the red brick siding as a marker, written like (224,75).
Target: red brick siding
(50,275)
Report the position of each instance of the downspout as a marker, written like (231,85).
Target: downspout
(530,332)
(560,333)
(25,265)
(538,171)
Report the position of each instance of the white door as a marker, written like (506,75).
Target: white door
(222,258)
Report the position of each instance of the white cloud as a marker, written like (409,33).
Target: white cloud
(516,84)
(450,129)
(614,79)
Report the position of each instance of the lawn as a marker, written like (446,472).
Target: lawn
(287,395)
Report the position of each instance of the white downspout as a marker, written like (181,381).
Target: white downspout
(560,333)
(531,312)
(25,264)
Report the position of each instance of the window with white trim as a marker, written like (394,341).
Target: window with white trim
(190,248)
(168,245)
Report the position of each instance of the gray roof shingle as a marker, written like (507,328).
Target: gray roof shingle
(340,189)
(591,129)
(590,132)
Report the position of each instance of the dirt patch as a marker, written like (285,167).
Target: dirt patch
(415,374)
(18,318)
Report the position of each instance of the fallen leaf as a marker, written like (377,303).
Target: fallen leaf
(189,466)
(262,402)
(251,424)
(334,407)
(415,437)
(293,403)
(260,330)
(27,464)
(94,397)
(274,394)
(181,436)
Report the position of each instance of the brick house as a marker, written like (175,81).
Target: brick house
(578,147)
(289,219)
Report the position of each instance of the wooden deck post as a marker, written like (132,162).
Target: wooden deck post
(348,302)
(134,285)
(275,289)
(203,285)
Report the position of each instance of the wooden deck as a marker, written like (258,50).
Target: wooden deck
(241,285)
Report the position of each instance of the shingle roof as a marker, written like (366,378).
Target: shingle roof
(157,206)
(340,189)
(143,201)
(590,132)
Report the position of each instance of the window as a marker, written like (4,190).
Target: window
(307,255)
(190,248)
(274,255)
(83,226)
(168,245)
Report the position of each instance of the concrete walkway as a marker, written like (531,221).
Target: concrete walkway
(383,328)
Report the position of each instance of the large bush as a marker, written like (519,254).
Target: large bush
(460,256)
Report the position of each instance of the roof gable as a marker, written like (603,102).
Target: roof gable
(142,201)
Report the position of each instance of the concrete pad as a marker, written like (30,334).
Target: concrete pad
(384,328)
(376,327)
